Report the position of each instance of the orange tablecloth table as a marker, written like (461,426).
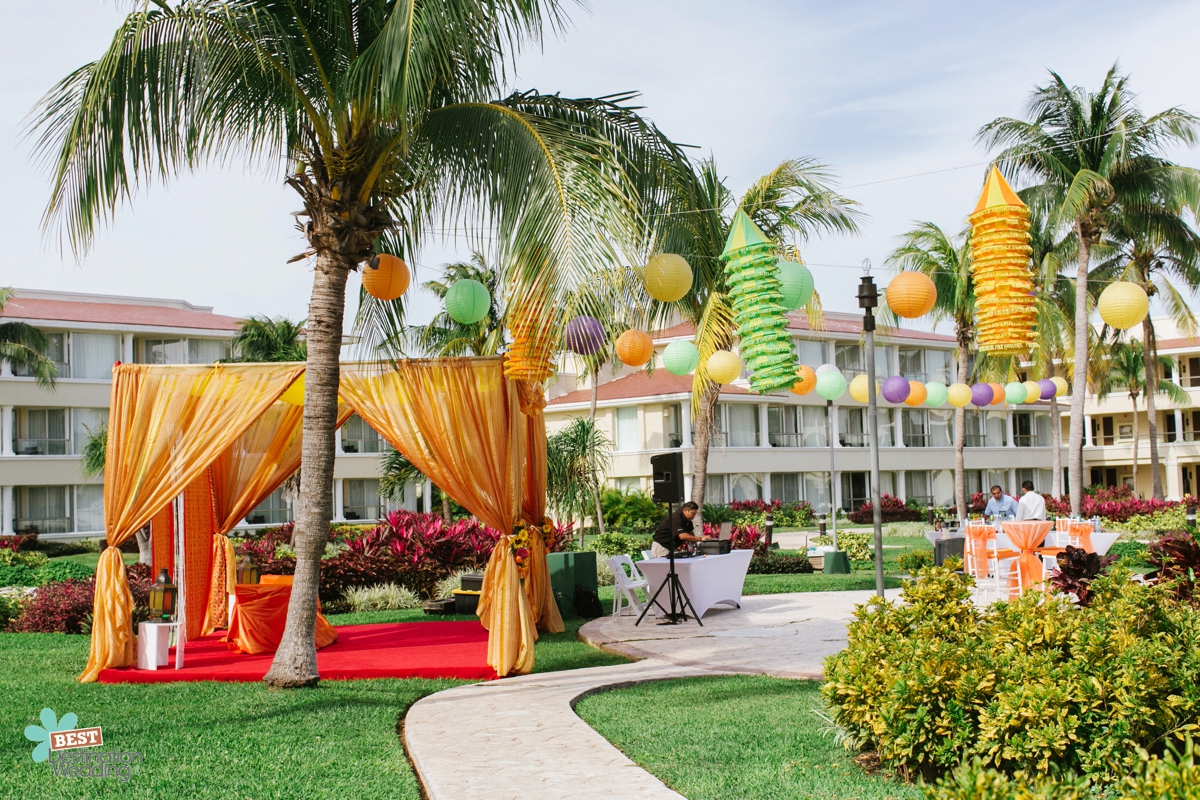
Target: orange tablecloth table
(259,616)
(1026,536)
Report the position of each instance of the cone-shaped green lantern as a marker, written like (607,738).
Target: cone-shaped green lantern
(796,284)
(467,301)
(758,307)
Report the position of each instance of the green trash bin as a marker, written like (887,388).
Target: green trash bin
(562,580)
(837,563)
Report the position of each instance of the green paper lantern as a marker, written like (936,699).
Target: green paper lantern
(1015,392)
(680,358)
(831,384)
(796,283)
(936,394)
(468,301)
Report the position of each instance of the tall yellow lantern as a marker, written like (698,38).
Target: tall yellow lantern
(1123,304)
(1000,250)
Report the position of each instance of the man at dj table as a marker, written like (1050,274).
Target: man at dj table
(674,530)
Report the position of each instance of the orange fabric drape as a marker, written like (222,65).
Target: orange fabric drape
(1025,536)
(222,582)
(166,425)
(260,616)
(197,551)
(980,535)
(459,421)
(162,541)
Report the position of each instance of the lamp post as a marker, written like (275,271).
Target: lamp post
(832,472)
(868,299)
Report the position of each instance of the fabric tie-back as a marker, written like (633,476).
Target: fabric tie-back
(1025,536)
(979,535)
(504,610)
(166,425)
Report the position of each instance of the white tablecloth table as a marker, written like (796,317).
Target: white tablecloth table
(708,580)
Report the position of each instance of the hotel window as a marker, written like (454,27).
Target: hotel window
(93,355)
(42,509)
(56,351)
(941,427)
(737,425)
(797,426)
(852,427)
(272,511)
(856,488)
(359,437)
(943,487)
(986,429)
(916,427)
(207,351)
(164,351)
(1039,477)
(745,486)
(786,487)
(41,432)
(84,423)
(849,359)
(982,480)
(794,487)
(714,489)
(360,498)
(626,424)
(811,352)
(1032,429)
(89,508)
(939,366)
(673,425)
(816,491)
(912,363)
(628,485)
(918,487)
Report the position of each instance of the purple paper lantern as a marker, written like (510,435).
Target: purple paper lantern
(982,394)
(896,389)
(585,335)
(1048,388)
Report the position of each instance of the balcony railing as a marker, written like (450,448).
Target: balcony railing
(269,516)
(362,446)
(674,440)
(914,376)
(1028,440)
(361,512)
(43,525)
(916,440)
(853,439)
(41,447)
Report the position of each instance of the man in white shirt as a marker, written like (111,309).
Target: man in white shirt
(1031,505)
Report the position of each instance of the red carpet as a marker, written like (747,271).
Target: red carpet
(393,650)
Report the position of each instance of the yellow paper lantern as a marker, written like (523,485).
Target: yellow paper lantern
(858,388)
(806,380)
(1005,320)
(1123,304)
(1061,385)
(724,367)
(916,394)
(1033,391)
(911,294)
(668,277)
(634,347)
(958,395)
(385,277)
(997,394)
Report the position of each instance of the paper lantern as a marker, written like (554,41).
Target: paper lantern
(997,394)
(917,394)
(467,301)
(668,277)
(385,277)
(858,388)
(958,394)
(1048,388)
(1060,385)
(294,394)
(585,335)
(1033,392)
(1006,315)
(981,394)
(821,370)
(680,357)
(1123,304)
(806,380)
(796,284)
(724,367)
(754,291)
(1016,392)
(634,347)
(937,394)
(896,389)
(831,384)
(911,294)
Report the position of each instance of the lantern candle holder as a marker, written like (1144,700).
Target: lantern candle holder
(247,571)
(162,596)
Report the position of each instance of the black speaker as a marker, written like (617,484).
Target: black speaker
(668,477)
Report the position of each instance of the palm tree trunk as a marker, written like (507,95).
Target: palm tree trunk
(295,663)
(1079,387)
(445,508)
(1150,353)
(701,439)
(1136,433)
(599,509)
(595,391)
(960,438)
(1055,442)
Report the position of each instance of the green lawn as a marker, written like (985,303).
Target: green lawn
(734,737)
(91,559)
(227,740)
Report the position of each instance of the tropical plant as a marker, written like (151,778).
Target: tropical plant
(262,339)
(380,112)
(381,597)
(790,204)
(947,261)
(576,460)
(23,347)
(446,337)
(1089,153)
(1126,368)
(1076,570)
(1176,561)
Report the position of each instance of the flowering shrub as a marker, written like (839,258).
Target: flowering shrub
(893,508)
(1076,570)
(856,546)
(977,503)
(1172,519)
(1115,505)
(1176,560)
(63,607)
(785,515)
(21,541)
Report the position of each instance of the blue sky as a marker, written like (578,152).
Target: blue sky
(876,90)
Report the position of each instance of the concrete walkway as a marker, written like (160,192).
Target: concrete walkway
(520,739)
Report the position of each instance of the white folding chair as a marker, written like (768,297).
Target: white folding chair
(1002,568)
(647,555)
(626,585)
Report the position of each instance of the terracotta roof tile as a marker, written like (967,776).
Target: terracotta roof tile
(637,385)
(122,314)
(840,323)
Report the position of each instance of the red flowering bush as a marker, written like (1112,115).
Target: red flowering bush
(562,538)
(21,541)
(262,551)
(66,606)
(1176,559)
(892,508)
(743,537)
(1112,504)
(977,503)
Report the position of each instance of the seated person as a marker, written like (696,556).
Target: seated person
(1000,505)
(673,531)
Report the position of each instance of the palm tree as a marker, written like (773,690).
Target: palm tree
(1126,368)
(790,204)
(23,347)
(575,458)
(1091,152)
(382,113)
(947,261)
(261,339)
(445,337)
(1154,246)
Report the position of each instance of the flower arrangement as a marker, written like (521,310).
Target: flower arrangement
(521,541)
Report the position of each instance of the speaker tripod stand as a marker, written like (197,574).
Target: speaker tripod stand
(677,599)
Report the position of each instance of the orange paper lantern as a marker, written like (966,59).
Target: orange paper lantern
(997,394)
(916,394)
(634,347)
(806,380)
(911,294)
(385,277)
